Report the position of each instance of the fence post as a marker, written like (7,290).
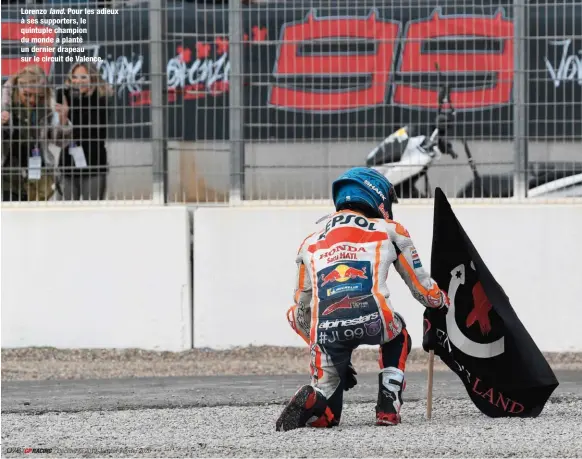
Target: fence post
(236,100)
(520,93)
(157,24)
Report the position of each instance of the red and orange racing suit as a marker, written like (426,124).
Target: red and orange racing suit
(342,299)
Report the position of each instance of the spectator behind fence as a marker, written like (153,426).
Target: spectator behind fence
(83,163)
(31,119)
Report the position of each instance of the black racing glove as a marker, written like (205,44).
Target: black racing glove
(351,380)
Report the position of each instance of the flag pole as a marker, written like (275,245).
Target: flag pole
(429,385)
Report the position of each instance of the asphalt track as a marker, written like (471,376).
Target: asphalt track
(234,417)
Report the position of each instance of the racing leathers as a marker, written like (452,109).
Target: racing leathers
(342,300)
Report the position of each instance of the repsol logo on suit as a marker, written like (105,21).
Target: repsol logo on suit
(346,219)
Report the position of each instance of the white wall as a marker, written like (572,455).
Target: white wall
(96,277)
(103,277)
(244,269)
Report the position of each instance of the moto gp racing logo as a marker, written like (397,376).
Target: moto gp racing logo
(29,450)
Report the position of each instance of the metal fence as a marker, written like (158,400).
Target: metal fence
(239,102)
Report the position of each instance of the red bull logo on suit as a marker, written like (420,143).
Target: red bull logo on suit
(343,273)
(355,277)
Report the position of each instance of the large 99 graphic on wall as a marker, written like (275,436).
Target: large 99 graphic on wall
(347,63)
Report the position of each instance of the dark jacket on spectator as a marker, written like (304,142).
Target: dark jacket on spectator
(27,128)
(89,114)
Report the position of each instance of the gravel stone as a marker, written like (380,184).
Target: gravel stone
(457,429)
(42,363)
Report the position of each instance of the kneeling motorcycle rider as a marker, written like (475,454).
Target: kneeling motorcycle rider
(342,300)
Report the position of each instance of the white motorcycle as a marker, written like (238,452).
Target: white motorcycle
(404,158)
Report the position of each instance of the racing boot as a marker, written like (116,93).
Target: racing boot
(307,407)
(391,382)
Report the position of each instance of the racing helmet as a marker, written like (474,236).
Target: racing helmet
(363,186)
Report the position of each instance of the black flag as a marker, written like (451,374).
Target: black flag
(481,338)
